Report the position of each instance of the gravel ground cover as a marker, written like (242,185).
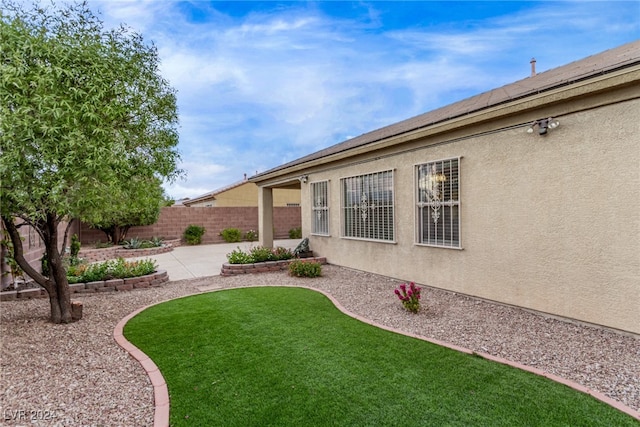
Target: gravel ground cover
(76,375)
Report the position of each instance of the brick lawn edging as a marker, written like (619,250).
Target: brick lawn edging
(161,391)
(103,254)
(113,285)
(263,267)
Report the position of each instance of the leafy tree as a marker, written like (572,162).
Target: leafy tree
(84,113)
(138,202)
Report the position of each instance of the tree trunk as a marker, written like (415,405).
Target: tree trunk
(60,302)
(56,284)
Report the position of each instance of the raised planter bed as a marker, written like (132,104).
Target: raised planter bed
(263,267)
(103,254)
(150,280)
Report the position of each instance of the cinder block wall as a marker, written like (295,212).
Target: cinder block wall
(174,220)
(33,248)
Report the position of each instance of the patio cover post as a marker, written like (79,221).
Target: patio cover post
(265,216)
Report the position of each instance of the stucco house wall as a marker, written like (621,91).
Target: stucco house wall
(547,222)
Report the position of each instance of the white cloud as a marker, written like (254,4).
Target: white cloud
(261,88)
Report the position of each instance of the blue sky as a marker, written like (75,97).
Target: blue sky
(266,82)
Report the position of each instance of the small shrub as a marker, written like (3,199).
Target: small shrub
(251,236)
(156,242)
(193,234)
(305,269)
(281,253)
(295,233)
(231,235)
(75,248)
(410,297)
(76,270)
(238,256)
(112,269)
(95,272)
(133,243)
(262,254)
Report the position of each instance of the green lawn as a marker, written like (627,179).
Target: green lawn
(276,356)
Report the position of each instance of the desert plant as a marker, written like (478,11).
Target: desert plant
(281,253)
(157,241)
(295,233)
(75,246)
(262,254)
(238,256)
(251,236)
(112,269)
(410,297)
(133,243)
(193,234)
(300,268)
(231,235)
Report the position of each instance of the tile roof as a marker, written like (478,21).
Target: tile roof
(589,67)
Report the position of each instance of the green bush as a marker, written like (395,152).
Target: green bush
(193,234)
(75,247)
(262,254)
(238,256)
(295,233)
(112,269)
(251,236)
(300,268)
(231,235)
(281,253)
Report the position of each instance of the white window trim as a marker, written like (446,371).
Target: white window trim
(328,208)
(393,200)
(415,205)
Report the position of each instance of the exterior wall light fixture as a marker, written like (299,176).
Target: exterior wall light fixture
(303,178)
(543,125)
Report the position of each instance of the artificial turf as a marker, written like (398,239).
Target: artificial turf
(282,356)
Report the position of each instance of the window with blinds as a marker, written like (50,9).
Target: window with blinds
(320,208)
(367,205)
(438,203)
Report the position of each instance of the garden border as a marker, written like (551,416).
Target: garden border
(113,252)
(156,278)
(264,267)
(161,391)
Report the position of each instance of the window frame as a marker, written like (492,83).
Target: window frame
(448,204)
(344,209)
(315,209)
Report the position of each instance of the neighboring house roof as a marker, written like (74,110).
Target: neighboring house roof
(606,62)
(212,194)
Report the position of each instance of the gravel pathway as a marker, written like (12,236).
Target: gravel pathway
(76,375)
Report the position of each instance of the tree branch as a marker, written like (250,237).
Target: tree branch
(18,255)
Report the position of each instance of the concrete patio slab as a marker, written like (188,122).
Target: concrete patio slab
(190,262)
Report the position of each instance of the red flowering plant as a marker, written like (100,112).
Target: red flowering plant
(410,297)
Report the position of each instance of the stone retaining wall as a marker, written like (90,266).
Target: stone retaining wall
(263,267)
(113,252)
(114,285)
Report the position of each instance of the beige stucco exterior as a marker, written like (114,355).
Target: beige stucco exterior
(550,223)
(246,194)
